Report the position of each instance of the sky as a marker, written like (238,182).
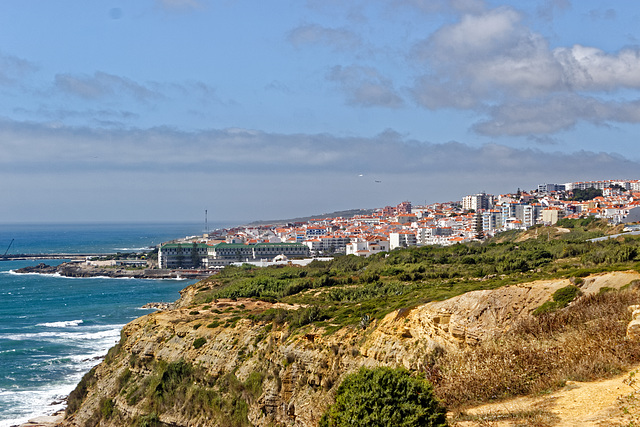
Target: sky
(157,110)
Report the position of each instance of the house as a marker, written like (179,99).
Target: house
(367,246)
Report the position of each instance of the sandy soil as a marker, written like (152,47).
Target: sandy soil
(611,402)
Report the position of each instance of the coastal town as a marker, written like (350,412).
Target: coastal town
(475,217)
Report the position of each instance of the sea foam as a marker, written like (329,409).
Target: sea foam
(62,324)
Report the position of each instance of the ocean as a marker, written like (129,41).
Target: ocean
(54,329)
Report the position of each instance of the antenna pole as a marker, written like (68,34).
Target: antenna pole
(206,225)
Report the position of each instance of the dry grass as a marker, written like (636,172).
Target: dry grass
(530,418)
(582,342)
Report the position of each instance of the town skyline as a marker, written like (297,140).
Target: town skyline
(474,218)
(156,110)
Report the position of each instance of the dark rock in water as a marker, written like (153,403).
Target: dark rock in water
(41,268)
(80,269)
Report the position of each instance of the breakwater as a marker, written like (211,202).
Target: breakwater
(72,256)
(80,269)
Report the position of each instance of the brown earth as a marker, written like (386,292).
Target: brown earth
(611,402)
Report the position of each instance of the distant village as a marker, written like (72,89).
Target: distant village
(476,217)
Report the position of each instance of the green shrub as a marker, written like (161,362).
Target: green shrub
(199,342)
(106,408)
(384,397)
(564,296)
(75,398)
(561,298)
(150,420)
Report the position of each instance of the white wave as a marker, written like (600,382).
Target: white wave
(56,274)
(144,248)
(84,335)
(28,404)
(63,324)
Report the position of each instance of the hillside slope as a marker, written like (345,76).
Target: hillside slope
(218,363)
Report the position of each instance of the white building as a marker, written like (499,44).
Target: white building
(477,201)
(367,247)
(402,239)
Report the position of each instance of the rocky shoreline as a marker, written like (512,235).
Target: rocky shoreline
(79,269)
(45,420)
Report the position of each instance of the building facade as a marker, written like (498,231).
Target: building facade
(182,255)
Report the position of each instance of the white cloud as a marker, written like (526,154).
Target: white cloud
(440,6)
(101,85)
(489,33)
(160,149)
(485,58)
(491,63)
(12,69)
(339,39)
(163,174)
(591,69)
(365,86)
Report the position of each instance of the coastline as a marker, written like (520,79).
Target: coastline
(49,418)
(44,420)
(52,325)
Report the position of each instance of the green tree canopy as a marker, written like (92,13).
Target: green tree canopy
(586,194)
(384,397)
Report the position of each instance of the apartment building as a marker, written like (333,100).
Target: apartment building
(402,239)
(182,255)
(477,202)
(226,253)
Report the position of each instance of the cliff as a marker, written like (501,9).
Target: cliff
(226,363)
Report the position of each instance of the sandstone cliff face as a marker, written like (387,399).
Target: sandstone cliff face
(277,377)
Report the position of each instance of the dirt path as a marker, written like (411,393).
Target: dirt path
(609,402)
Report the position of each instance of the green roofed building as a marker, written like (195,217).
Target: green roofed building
(183,255)
(201,255)
(227,253)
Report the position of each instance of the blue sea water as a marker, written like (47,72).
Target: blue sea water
(54,329)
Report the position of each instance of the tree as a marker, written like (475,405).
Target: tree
(586,194)
(384,397)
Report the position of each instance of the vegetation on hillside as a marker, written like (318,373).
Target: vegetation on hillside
(344,290)
(572,337)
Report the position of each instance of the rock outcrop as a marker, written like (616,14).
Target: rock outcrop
(79,269)
(633,328)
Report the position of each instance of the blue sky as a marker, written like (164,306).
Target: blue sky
(157,110)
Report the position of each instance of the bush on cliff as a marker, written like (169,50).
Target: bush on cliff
(384,397)
(561,298)
(75,398)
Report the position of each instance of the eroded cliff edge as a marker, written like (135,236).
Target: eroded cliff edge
(216,364)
